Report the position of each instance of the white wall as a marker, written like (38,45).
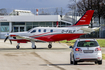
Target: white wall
(32,18)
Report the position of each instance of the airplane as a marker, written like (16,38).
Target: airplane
(52,34)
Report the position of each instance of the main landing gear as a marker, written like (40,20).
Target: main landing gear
(50,45)
(34,46)
(17,47)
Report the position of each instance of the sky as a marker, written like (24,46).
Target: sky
(32,4)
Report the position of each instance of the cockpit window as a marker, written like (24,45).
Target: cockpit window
(33,31)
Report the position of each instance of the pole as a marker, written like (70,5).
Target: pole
(36,11)
(0,29)
(76,9)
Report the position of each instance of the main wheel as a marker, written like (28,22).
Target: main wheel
(49,46)
(34,47)
(17,47)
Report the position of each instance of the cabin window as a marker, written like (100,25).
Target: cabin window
(44,30)
(39,30)
(51,30)
(33,31)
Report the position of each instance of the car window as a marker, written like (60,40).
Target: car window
(75,44)
(87,44)
(33,31)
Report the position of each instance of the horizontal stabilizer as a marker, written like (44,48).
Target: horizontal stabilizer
(89,30)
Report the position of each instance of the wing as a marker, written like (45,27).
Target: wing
(27,38)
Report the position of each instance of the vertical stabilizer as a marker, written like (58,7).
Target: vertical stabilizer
(86,18)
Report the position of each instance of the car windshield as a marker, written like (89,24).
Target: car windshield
(87,44)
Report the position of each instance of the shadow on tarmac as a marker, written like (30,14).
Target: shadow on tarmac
(42,49)
(64,64)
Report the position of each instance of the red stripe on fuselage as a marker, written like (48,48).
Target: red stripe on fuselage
(58,37)
(51,38)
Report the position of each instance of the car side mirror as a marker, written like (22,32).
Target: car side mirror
(70,47)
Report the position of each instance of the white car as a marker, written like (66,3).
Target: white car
(86,50)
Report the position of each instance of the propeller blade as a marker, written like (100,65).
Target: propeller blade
(10,41)
(6,39)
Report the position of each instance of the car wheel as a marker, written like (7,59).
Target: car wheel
(95,62)
(71,62)
(74,62)
(100,62)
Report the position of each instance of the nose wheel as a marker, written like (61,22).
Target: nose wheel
(34,47)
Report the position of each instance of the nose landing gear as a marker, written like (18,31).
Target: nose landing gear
(33,45)
(17,47)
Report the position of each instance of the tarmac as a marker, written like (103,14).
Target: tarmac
(41,58)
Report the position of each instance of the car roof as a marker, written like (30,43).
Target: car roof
(86,39)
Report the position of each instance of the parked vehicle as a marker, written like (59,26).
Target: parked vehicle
(86,50)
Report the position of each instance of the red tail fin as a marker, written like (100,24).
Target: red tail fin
(86,18)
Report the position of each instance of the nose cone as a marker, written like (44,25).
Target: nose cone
(7,35)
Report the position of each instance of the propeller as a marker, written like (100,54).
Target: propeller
(10,41)
(7,37)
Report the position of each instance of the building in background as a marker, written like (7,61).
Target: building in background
(24,20)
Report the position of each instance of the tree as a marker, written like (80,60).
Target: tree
(3,11)
(84,5)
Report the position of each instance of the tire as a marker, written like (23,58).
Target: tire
(100,62)
(95,62)
(71,62)
(74,62)
(49,46)
(34,47)
(17,47)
